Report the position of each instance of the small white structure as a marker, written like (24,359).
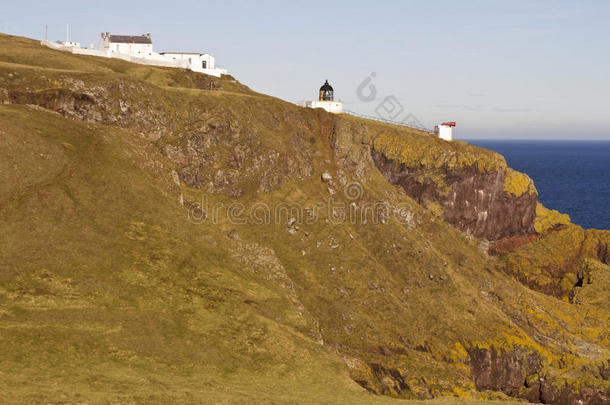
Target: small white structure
(69,43)
(326,100)
(197,62)
(444,130)
(132,45)
(139,49)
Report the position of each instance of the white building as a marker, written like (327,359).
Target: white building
(132,45)
(444,130)
(197,62)
(326,100)
(139,49)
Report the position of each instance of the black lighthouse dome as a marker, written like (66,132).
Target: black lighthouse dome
(326,92)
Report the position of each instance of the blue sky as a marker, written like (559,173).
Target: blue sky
(511,69)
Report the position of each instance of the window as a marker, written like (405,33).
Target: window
(204,64)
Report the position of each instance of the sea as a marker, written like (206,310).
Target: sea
(572,177)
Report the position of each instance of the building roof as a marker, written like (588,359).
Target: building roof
(182,53)
(131,39)
(326,87)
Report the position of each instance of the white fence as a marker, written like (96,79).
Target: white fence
(402,124)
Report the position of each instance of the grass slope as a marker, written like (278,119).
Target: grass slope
(109,293)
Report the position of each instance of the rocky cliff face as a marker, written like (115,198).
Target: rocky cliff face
(489,201)
(506,371)
(519,373)
(212,150)
(473,201)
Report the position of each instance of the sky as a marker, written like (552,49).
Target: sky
(499,69)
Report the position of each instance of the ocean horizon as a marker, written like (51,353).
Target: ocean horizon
(572,176)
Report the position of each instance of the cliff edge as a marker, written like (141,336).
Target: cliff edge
(172,237)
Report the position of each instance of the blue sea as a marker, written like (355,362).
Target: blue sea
(572,177)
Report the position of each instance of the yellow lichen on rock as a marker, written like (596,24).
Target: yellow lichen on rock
(517,183)
(435,208)
(546,219)
(426,151)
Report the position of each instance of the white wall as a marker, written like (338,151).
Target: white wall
(335,107)
(131,49)
(71,43)
(445,132)
(210,61)
(195,60)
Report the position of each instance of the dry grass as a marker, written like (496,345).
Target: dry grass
(108,294)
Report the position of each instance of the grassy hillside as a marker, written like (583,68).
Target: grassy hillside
(119,283)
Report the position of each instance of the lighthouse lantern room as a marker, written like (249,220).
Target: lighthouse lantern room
(326,100)
(326,92)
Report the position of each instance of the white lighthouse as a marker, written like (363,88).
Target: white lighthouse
(444,130)
(326,100)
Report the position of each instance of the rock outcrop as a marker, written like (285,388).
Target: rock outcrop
(478,195)
(518,372)
(475,202)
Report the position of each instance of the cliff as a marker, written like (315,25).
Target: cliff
(170,237)
(468,187)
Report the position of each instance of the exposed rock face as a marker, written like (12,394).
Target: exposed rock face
(383,381)
(351,146)
(473,201)
(118,102)
(66,102)
(603,252)
(200,81)
(191,137)
(504,371)
(557,263)
(519,373)
(604,370)
(247,165)
(395,382)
